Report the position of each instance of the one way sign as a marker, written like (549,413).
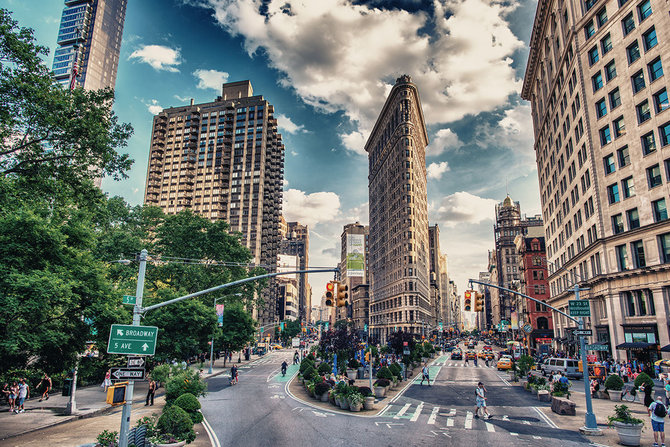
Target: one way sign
(128,373)
(135,362)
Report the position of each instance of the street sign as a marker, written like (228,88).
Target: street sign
(134,340)
(135,362)
(405,343)
(129,299)
(597,347)
(583,332)
(262,329)
(128,373)
(579,308)
(591,358)
(405,351)
(527,328)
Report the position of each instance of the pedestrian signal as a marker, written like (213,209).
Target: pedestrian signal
(342,295)
(116,394)
(330,294)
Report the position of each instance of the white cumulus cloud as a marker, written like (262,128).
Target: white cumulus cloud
(287,125)
(444,141)
(435,170)
(310,209)
(158,56)
(462,207)
(354,142)
(213,79)
(153,107)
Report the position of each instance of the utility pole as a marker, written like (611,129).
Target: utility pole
(137,312)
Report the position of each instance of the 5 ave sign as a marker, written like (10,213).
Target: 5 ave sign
(133,340)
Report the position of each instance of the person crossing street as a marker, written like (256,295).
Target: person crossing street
(480,399)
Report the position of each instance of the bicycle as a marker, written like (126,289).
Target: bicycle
(629,394)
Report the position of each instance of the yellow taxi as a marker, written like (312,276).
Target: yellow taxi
(471,355)
(276,346)
(504,363)
(481,354)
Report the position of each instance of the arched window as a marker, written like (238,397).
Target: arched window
(542,323)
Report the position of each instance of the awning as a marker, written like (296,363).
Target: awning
(636,346)
(666,348)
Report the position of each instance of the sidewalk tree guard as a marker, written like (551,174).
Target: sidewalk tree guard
(590,424)
(138,311)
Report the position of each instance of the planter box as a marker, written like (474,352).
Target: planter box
(563,406)
(629,434)
(543,396)
(380,392)
(344,403)
(324,397)
(615,395)
(369,403)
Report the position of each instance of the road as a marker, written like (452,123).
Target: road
(259,412)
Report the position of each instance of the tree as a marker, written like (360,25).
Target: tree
(291,329)
(238,329)
(397,342)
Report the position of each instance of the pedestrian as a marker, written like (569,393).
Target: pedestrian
(151,392)
(7,391)
(667,392)
(466,363)
(24,393)
(658,412)
(425,373)
(233,375)
(475,361)
(13,395)
(46,380)
(480,393)
(108,380)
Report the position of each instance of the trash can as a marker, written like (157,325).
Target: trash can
(361,373)
(67,387)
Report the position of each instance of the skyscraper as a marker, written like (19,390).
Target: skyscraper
(354,272)
(89,42)
(595,80)
(398,241)
(224,160)
(295,242)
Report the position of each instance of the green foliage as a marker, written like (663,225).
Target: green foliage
(385,373)
(353,364)
(309,373)
(306,363)
(365,391)
(238,328)
(107,439)
(614,382)
(176,422)
(622,414)
(644,379)
(397,340)
(560,389)
(325,368)
(321,388)
(161,373)
(291,329)
(187,402)
(382,382)
(396,369)
(525,363)
(187,381)
(150,423)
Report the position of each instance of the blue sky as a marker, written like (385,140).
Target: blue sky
(327,65)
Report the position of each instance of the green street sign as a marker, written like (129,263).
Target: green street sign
(129,299)
(595,347)
(133,340)
(262,329)
(579,308)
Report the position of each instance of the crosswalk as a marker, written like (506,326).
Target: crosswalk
(451,418)
(480,364)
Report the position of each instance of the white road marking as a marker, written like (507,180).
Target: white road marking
(537,437)
(490,427)
(417,413)
(545,418)
(433,415)
(213,439)
(468,420)
(450,422)
(513,434)
(402,411)
(318,413)
(526,422)
(505,418)
(452,412)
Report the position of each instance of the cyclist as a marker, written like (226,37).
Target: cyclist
(284,365)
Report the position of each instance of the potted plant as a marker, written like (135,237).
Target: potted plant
(380,387)
(628,428)
(344,401)
(613,386)
(174,427)
(355,401)
(368,398)
(352,368)
(320,390)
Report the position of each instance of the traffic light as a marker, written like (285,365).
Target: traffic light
(479,302)
(342,294)
(116,394)
(330,294)
(468,301)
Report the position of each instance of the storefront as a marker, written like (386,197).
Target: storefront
(541,340)
(602,337)
(640,342)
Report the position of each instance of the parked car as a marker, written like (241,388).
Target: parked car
(456,354)
(567,366)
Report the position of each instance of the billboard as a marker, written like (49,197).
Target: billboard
(355,255)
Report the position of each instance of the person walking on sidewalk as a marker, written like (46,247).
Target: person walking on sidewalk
(151,392)
(667,393)
(425,373)
(46,380)
(24,393)
(108,380)
(658,412)
(480,393)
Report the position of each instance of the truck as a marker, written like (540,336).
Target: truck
(295,342)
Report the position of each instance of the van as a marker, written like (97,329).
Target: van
(567,366)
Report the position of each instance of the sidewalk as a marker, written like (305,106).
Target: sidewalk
(90,402)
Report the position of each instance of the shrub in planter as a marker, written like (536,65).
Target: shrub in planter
(532,380)
(614,382)
(187,381)
(189,403)
(306,364)
(176,423)
(643,379)
(365,391)
(309,373)
(560,390)
(540,380)
(161,373)
(321,388)
(396,369)
(325,368)
(107,439)
(385,373)
(354,364)
(382,382)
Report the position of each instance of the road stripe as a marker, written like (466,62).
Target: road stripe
(490,427)
(545,417)
(513,434)
(417,413)
(505,418)
(213,439)
(450,422)
(452,412)
(468,420)
(537,437)
(433,415)
(402,411)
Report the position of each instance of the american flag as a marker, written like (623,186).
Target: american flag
(74,74)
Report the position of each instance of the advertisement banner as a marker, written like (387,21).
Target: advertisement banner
(355,255)
(514,322)
(219,313)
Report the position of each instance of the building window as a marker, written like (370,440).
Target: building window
(605,135)
(597,81)
(606,44)
(628,187)
(617,224)
(633,218)
(654,176)
(601,16)
(593,55)
(660,210)
(644,10)
(633,52)
(648,143)
(664,134)
(655,70)
(622,257)
(637,251)
(643,111)
(649,39)
(630,303)
(619,127)
(613,193)
(590,29)
(624,157)
(664,246)
(661,100)
(638,81)
(628,24)
(601,108)
(608,162)
(615,98)
(610,71)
